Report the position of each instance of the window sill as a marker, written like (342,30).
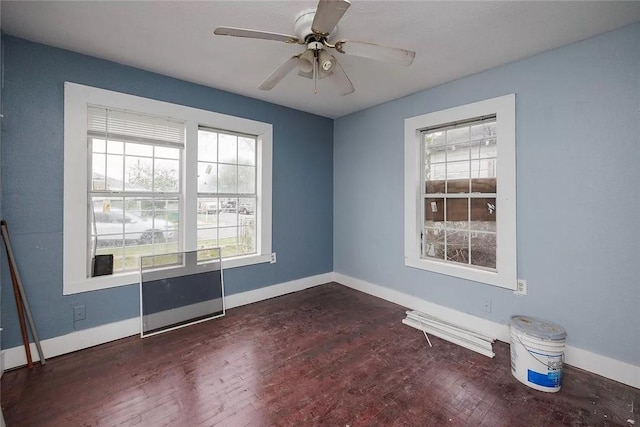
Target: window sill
(133,277)
(462,272)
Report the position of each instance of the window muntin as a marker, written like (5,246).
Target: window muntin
(449,194)
(227,192)
(459,208)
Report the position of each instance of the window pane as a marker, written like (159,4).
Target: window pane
(207,146)
(227,178)
(139,150)
(104,204)
(484,168)
(138,173)
(434,187)
(483,214)
(207,238)
(165,214)
(458,170)
(483,249)
(434,139)
(483,131)
(168,152)
(455,136)
(207,211)
(228,241)
(433,211)
(115,172)
(247,207)
(98,145)
(484,185)
(433,243)
(228,212)
(246,179)
(115,147)
(98,172)
(458,213)
(247,238)
(207,177)
(166,175)
(457,246)
(484,149)
(228,148)
(435,175)
(459,152)
(455,186)
(246,151)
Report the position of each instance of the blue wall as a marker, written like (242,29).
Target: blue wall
(32,182)
(578,194)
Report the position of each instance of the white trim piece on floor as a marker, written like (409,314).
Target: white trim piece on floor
(78,340)
(598,364)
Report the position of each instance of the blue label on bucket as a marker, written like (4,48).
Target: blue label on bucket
(551,379)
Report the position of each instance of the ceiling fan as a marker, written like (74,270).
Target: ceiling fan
(313,29)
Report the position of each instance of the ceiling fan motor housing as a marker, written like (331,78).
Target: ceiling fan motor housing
(302,27)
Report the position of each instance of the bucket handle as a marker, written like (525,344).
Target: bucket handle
(533,355)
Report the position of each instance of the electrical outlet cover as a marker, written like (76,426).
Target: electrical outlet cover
(522,287)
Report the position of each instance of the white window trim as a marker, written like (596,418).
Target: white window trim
(77,98)
(505,275)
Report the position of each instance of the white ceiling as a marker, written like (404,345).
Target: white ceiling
(451,40)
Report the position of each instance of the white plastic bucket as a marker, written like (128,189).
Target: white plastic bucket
(537,352)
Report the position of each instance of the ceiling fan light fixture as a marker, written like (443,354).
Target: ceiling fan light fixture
(322,73)
(326,61)
(306,62)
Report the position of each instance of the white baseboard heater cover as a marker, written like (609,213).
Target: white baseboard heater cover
(459,335)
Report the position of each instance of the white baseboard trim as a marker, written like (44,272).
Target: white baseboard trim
(78,340)
(249,297)
(598,364)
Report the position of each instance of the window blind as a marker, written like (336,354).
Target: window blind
(461,123)
(134,127)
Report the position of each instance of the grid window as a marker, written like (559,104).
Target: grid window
(459,209)
(134,188)
(460,192)
(146,178)
(227,193)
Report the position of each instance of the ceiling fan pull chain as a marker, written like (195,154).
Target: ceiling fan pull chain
(315,72)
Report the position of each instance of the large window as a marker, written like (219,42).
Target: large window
(134,185)
(460,192)
(159,178)
(227,192)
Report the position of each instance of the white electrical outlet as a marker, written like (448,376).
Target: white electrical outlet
(273,258)
(522,287)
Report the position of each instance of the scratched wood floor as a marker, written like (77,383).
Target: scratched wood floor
(324,356)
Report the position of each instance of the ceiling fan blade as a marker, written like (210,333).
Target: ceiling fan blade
(279,73)
(375,51)
(328,14)
(339,77)
(255,34)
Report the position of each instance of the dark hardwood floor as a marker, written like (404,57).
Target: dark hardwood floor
(325,356)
